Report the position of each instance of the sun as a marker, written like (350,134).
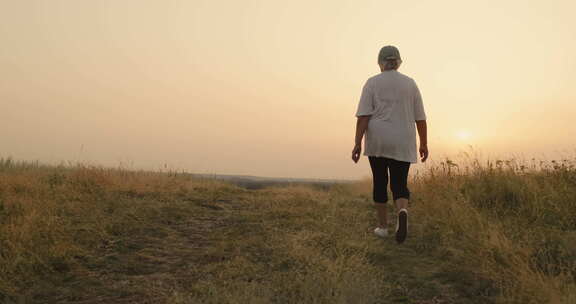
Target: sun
(463,135)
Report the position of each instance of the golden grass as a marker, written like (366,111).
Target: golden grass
(499,232)
(504,222)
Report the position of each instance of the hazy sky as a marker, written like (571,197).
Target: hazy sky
(270,88)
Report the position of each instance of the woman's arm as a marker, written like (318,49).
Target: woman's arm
(422,133)
(361,126)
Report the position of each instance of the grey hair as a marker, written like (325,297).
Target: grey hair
(390,64)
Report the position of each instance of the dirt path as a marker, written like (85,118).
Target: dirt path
(260,247)
(420,278)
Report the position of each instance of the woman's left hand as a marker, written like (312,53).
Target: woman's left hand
(356,153)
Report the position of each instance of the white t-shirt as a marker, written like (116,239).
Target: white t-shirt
(394,103)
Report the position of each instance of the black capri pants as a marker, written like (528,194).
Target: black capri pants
(398,178)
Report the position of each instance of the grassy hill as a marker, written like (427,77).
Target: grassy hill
(491,232)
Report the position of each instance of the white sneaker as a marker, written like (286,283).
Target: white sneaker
(381,232)
(402,226)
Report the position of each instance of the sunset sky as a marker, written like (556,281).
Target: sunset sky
(270,88)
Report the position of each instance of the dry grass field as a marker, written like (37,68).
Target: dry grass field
(484,232)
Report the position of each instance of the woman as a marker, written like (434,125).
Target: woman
(389,108)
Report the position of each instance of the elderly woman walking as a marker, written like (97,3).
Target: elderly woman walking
(389,111)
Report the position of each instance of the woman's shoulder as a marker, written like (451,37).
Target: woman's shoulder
(406,77)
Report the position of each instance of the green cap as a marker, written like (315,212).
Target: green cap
(388,52)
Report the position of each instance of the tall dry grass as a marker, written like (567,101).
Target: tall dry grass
(507,222)
(56,223)
(481,232)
